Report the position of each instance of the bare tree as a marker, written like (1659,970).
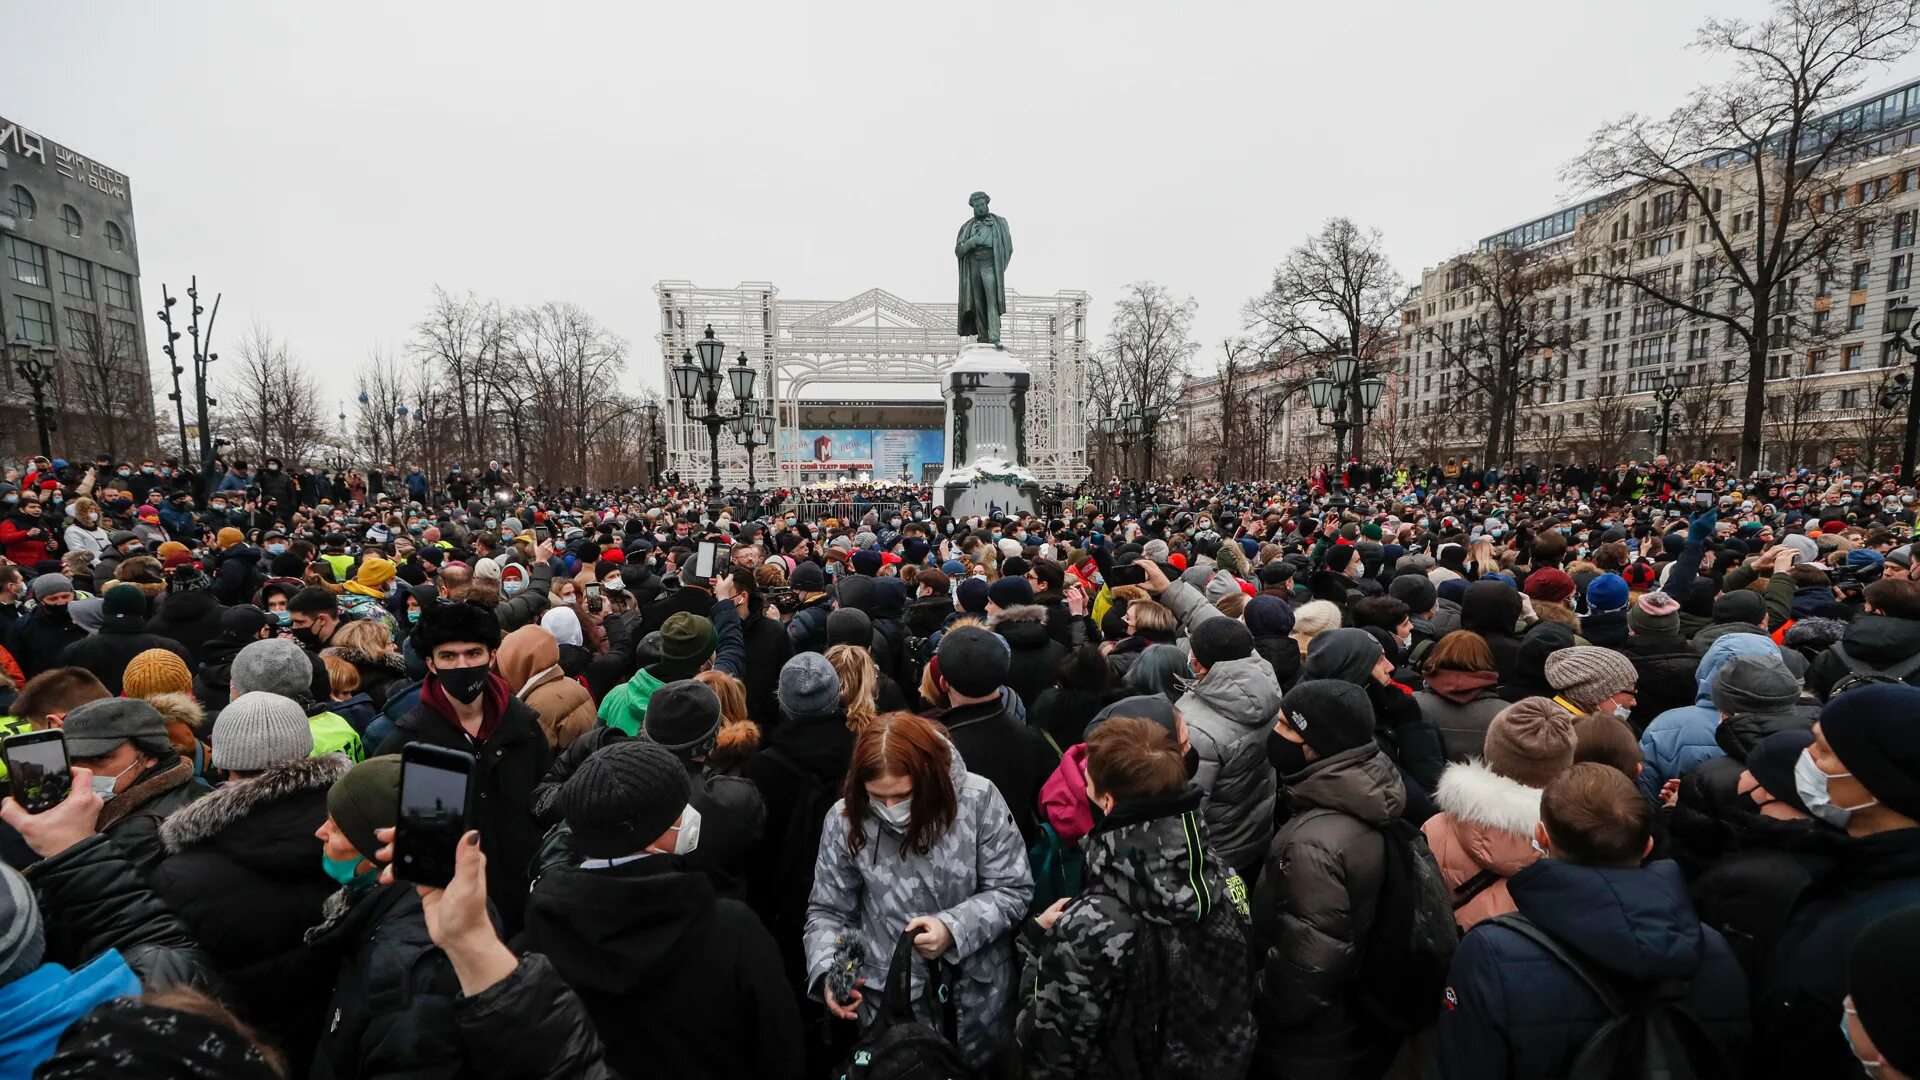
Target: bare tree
(1335,294)
(1149,350)
(381,393)
(101,383)
(460,338)
(1879,420)
(1614,415)
(1698,421)
(268,401)
(1792,418)
(1755,161)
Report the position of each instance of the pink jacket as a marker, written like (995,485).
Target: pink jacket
(1486,823)
(1063,798)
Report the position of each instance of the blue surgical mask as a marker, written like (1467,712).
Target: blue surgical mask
(346,871)
(276,549)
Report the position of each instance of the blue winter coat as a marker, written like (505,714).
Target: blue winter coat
(1514,1011)
(37,1007)
(1681,738)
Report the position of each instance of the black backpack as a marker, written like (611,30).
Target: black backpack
(799,847)
(1403,968)
(1861,673)
(897,1045)
(1649,1033)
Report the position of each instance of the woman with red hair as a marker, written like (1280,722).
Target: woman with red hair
(917,843)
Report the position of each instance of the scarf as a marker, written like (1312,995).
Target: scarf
(1461,687)
(493,705)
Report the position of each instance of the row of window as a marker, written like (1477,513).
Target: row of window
(33,320)
(27,263)
(21,205)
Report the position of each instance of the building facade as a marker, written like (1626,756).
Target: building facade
(70,282)
(1586,392)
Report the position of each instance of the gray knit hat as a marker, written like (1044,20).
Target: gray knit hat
(47,584)
(1530,741)
(809,687)
(259,729)
(1588,673)
(1755,683)
(277,666)
(23,940)
(623,796)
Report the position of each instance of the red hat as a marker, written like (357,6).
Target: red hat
(1177,561)
(178,558)
(1833,525)
(888,558)
(1639,575)
(1549,584)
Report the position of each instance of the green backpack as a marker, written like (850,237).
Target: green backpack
(333,735)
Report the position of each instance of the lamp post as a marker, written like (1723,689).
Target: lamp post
(1335,390)
(699,388)
(1666,391)
(753,431)
(1900,321)
(656,442)
(34,363)
(1133,423)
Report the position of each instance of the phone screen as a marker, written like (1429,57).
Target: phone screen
(37,769)
(704,561)
(435,790)
(1126,574)
(1703,498)
(542,534)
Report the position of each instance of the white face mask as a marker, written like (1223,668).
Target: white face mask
(1622,711)
(1811,783)
(686,835)
(896,815)
(103,786)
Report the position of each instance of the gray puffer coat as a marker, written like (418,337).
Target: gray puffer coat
(1229,713)
(975,879)
(1312,909)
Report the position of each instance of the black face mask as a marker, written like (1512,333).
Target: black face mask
(306,637)
(57,613)
(1286,756)
(463,684)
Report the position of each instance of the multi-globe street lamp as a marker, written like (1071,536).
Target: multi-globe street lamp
(34,363)
(1900,322)
(1334,390)
(1666,390)
(1133,423)
(656,445)
(698,386)
(752,430)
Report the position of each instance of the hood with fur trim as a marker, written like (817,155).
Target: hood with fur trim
(183,716)
(1471,792)
(1023,625)
(206,817)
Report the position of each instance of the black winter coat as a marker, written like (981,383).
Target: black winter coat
(37,641)
(650,938)
(92,898)
(1877,641)
(1037,657)
(380,675)
(108,653)
(796,756)
(508,767)
(768,650)
(807,629)
(1064,713)
(1281,653)
(1410,739)
(1000,746)
(532,1026)
(238,576)
(191,618)
(213,676)
(242,872)
(392,1012)
(687,598)
(1666,664)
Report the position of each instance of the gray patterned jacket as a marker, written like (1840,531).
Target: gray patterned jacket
(976,879)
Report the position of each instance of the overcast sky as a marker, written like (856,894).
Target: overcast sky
(326,165)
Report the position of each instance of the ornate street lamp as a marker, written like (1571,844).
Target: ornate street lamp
(1332,392)
(34,363)
(699,385)
(1900,323)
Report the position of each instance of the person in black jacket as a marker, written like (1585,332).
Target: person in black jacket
(240,868)
(683,718)
(1270,619)
(37,640)
(1664,660)
(694,596)
(1402,730)
(124,742)
(768,648)
(464,706)
(993,741)
(123,635)
(807,628)
(189,613)
(1492,610)
(637,934)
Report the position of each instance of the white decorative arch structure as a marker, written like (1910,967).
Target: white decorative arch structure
(874,344)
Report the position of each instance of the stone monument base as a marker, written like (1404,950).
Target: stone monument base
(985,390)
(986,486)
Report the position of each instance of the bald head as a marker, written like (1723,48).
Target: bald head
(454,582)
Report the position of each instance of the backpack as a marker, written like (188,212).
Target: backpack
(1649,1032)
(1861,673)
(1403,967)
(799,847)
(897,1045)
(1059,869)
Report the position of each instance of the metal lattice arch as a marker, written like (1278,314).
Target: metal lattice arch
(875,345)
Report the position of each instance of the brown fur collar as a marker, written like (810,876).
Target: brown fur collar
(1032,613)
(159,782)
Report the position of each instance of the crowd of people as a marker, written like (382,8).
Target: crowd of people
(1414,772)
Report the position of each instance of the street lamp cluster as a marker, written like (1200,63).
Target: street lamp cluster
(34,363)
(1901,387)
(698,386)
(1130,425)
(1335,390)
(1667,390)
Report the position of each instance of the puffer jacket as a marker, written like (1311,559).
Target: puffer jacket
(1876,641)
(975,879)
(1681,738)
(1460,705)
(532,1026)
(529,659)
(1155,944)
(1229,713)
(1037,655)
(1484,827)
(1665,664)
(1514,1010)
(1312,909)
(93,898)
(394,991)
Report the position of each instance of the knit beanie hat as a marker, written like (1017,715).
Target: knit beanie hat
(1010,592)
(259,729)
(23,938)
(1330,715)
(1880,968)
(808,577)
(48,584)
(865,561)
(623,796)
(1549,584)
(1743,605)
(1872,731)
(1416,591)
(1155,550)
(809,687)
(972,595)
(125,607)
(974,661)
(228,537)
(1219,640)
(1586,674)
(686,638)
(849,626)
(275,665)
(1754,683)
(682,715)
(1530,742)
(1608,592)
(366,799)
(374,572)
(1772,761)
(1655,613)
(1269,616)
(156,671)
(1338,558)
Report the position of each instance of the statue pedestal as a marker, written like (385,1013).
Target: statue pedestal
(986,394)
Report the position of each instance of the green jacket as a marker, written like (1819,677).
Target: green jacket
(12,725)
(333,735)
(625,706)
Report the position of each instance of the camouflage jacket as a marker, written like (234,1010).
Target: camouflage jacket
(1147,971)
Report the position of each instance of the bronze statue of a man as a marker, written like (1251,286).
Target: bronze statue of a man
(983,250)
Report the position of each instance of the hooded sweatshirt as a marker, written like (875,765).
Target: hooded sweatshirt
(1679,739)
